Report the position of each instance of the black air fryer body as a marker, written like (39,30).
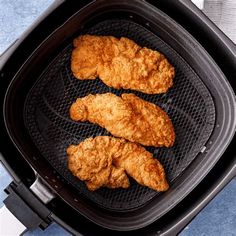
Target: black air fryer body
(205,61)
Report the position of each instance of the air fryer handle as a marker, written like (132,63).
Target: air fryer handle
(22,211)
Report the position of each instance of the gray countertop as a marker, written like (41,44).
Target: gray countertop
(219,217)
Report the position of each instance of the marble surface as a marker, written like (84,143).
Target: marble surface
(219,217)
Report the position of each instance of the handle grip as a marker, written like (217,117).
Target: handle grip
(22,211)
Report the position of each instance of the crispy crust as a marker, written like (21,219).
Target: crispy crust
(105,161)
(121,63)
(128,117)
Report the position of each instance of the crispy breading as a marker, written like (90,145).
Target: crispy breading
(121,63)
(91,162)
(103,161)
(118,178)
(128,117)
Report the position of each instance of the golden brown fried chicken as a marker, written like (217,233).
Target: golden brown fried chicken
(121,63)
(118,178)
(128,116)
(104,161)
(91,161)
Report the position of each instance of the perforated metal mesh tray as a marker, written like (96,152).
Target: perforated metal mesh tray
(188,103)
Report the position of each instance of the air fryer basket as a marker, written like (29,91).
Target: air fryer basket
(188,103)
(200,104)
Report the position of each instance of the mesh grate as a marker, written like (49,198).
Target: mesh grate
(188,103)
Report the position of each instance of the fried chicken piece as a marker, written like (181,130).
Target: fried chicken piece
(121,63)
(141,166)
(128,117)
(118,178)
(91,161)
(103,161)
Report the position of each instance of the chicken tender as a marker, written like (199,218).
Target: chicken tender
(91,161)
(128,117)
(121,63)
(104,161)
